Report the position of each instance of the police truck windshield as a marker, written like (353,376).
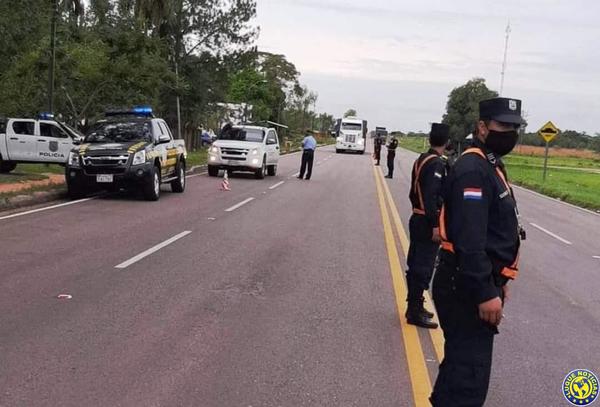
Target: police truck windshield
(352,126)
(252,135)
(119,132)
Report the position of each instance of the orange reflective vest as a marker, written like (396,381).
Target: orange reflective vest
(511,272)
(418,167)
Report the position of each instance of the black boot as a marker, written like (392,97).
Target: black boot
(415,316)
(425,312)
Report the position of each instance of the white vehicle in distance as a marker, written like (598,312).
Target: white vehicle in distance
(245,148)
(351,135)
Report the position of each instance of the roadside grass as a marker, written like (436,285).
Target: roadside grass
(570,185)
(197,157)
(576,187)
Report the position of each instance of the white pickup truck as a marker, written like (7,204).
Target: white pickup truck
(245,148)
(35,141)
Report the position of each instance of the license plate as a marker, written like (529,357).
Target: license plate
(104,178)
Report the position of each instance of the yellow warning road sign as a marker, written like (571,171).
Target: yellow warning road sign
(548,132)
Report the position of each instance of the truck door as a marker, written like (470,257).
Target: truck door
(272,145)
(53,144)
(20,140)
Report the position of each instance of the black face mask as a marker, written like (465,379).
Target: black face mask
(501,142)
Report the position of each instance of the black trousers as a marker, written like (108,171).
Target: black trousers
(421,257)
(391,157)
(378,154)
(464,374)
(308,157)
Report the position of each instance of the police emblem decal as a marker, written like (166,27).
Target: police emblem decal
(580,387)
(53,146)
(512,104)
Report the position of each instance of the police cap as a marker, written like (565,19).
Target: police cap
(505,110)
(439,135)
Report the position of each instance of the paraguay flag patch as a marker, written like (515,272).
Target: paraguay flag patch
(472,194)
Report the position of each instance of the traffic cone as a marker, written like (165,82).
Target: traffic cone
(225,183)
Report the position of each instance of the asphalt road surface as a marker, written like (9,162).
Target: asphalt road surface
(279,293)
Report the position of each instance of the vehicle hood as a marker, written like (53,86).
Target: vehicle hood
(112,148)
(237,144)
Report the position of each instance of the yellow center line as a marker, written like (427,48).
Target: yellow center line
(437,337)
(419,376)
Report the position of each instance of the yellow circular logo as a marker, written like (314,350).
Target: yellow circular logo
(580,387)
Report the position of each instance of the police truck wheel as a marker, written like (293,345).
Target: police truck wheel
(178,185)
(272,170)
(7,166)
(213,171)
(75,192)
(260,173)
(152,187)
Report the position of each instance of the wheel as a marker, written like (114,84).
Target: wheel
(229,173)
(272,170)
(152,187)
(362,152)
(7,166)
(337,151)
(213,171)
(260,173)
(178,185)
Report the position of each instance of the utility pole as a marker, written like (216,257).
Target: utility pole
(178,103)
(505,57)
(52,64)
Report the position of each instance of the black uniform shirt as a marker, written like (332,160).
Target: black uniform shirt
(393,145)
(481,221)
(431,179)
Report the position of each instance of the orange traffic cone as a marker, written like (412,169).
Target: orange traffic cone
(225,183)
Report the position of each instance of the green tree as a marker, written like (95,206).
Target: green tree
(350,113)
(462,109)
(250,87)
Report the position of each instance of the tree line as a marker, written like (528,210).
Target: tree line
(195,54)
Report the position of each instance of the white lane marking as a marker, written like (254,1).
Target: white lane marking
(151,250)
(46,208)
(296,174)
(234,207)
(551,234)
(196,175)
(596,257)
(277,185)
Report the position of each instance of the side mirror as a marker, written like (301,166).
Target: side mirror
(163,139)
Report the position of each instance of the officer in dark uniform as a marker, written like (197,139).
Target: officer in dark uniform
(428,174)
(378,143)
(391,156)
(480,235)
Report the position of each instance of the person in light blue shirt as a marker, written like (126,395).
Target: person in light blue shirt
(309,144)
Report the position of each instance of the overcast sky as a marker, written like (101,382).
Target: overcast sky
(396,61)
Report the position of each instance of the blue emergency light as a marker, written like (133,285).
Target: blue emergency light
(143,110)
(46,116)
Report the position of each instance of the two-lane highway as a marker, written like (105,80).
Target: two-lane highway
(279,293)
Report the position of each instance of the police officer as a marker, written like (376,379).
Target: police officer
(378,143)
(391,156)
(428,174)
(479,228)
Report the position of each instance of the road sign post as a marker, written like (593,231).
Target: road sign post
(548,132)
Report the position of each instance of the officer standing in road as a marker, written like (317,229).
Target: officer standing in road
(391,156)
(428,174)
(378,143)
(309,144)
(480,235)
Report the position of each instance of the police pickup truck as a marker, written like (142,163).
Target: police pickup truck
(128,149)
(246,148)
(42,140)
